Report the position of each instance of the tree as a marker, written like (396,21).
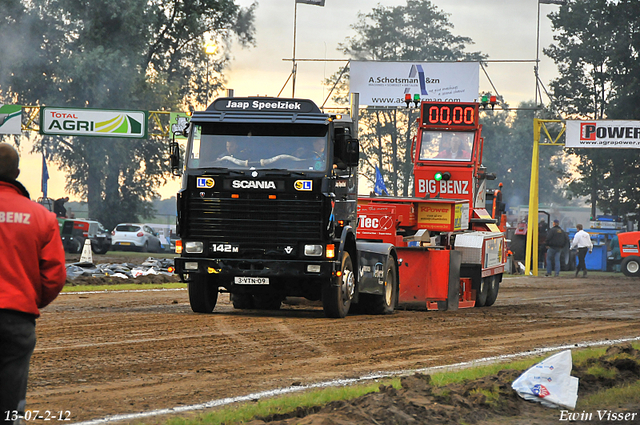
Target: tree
(597,56)
(118,54)
(417,31)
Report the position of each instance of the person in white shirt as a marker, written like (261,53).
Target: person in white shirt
(582,241)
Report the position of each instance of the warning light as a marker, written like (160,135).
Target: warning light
(416,99)
(407,99)
(484,101)
(492,101)
(442,175)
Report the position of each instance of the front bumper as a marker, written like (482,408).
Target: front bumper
(224,270)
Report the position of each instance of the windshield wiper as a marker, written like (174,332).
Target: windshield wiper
(209,171)
(271,171)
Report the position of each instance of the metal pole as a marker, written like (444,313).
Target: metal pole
(535,68)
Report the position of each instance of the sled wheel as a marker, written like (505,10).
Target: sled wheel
(386,302)
(203,295)
(494,287)
(483,291)
(336,297)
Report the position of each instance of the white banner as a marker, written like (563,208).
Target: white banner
(93,122)
(386,83)
(10,119)
(603,134)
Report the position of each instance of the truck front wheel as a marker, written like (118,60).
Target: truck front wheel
(203,295)
(336,297)
(631,266)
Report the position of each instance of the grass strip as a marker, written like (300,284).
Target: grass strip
(611,397)
(290,403)
(282,405)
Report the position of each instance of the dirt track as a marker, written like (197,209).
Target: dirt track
(110,353)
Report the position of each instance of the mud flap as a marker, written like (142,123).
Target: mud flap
(453,293)
(455,260)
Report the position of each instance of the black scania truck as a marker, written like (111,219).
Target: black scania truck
(268,210)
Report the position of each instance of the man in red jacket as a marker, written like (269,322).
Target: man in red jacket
(32,274)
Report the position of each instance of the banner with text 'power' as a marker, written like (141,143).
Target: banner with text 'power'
(603,134)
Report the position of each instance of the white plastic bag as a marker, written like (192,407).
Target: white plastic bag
(550,382)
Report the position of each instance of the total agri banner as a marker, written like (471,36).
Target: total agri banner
(10,119)
(387,83)
(603,134)
(93,122)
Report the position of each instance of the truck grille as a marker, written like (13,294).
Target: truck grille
(256,222)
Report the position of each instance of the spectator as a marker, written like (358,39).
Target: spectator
(556,240)
(615,253)
(58,207)
(33,273)
(581,241)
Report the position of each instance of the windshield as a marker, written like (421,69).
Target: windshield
(446,145)
(259,146)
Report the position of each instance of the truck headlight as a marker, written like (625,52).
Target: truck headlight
(313,250)
(194,247)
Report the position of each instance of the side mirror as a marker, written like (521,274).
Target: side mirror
(174,158)
(180,128)
(352,152)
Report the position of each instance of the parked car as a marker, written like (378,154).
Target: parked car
(135,236)
(74,232)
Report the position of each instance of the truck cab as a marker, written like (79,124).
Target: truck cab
(267,207)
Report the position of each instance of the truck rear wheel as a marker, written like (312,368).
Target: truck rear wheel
(203,295)
(267,302)
(483,292)
(242,301)
(383,303)
(336,297)
(494,287)
(630,266)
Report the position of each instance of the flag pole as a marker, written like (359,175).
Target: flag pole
(293,71)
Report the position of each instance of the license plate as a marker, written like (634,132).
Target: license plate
(125,243)
(251,280)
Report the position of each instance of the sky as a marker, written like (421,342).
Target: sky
(503,29)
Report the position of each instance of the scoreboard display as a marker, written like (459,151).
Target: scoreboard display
(460,115)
